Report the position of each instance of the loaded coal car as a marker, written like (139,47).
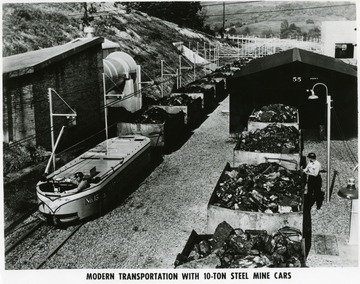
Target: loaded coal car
(208,95)
(267,197)
(154,122)
(194,96)
(274,143)
(182,103)
(241,248)
(220,80)
(91,184)
(273,113)
(216,85)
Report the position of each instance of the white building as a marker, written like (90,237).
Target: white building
(339,40)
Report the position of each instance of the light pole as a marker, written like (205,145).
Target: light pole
(328,116)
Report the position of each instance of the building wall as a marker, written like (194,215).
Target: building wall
(18,112)
(338,32)
(78,80)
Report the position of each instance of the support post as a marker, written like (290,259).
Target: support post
(105,110)
(162,77)
(51,126)
(179,85)
(328,104)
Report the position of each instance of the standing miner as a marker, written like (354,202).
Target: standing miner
(313,192)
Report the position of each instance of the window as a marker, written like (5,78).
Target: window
(344,50)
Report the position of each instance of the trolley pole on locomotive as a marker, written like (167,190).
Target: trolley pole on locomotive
(328,117)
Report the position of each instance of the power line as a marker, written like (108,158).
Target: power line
(282,10)
(58,126)
(229,3)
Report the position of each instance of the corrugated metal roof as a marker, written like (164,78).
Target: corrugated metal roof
(296,55)
(29,62)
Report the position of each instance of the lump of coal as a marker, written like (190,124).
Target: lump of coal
(267,187)
(180,100)
(274,138)
(275,113)
(150,115)
(249,249)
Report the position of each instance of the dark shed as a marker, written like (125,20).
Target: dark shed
(285,78)
(74,71)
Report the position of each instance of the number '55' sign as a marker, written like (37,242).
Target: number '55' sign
(296,79)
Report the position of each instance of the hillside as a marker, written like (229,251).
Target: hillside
(264,16)
(147,39)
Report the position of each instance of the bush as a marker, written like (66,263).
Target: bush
(19,157)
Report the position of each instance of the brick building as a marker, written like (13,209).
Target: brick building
(74,71)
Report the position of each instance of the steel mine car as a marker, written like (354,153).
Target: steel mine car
(108,168)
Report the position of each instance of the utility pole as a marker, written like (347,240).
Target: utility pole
(223,28)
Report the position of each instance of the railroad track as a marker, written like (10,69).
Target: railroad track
(19,220)
(23,236)
(56,248)
(32,244)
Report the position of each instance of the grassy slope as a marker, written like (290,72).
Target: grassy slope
(148,40)
(258,22)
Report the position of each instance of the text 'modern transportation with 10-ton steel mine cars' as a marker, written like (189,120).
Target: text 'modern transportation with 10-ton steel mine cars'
(108,168)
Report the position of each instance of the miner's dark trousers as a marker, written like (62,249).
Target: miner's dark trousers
(314,195)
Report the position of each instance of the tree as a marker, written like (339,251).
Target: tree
(245,31)
(267,33)
(232,31)
(87,18)
(291,30)
(315,32)
(185,14)
(284,26)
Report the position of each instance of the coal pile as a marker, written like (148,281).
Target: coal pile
(275,113)
(205,80)
(194,89)
(275,138)
(237,248)
(218,75)
(267,187)
(152,115)
(226,69)
(180,100)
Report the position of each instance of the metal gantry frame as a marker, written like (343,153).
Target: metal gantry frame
(176,74)
(185,68)
(52,114)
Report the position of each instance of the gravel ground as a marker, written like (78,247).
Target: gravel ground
(334,217)
(153,225)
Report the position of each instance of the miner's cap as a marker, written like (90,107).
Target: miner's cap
(311,156)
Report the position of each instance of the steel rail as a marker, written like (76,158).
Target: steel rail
(11,226)
(54,250)
(38,224)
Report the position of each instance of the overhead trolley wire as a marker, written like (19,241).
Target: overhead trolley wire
(58,126)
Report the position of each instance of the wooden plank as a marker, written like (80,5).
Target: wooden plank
(331,245)
(325,244)
(319,244)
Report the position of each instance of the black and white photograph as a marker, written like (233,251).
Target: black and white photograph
(179,142)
